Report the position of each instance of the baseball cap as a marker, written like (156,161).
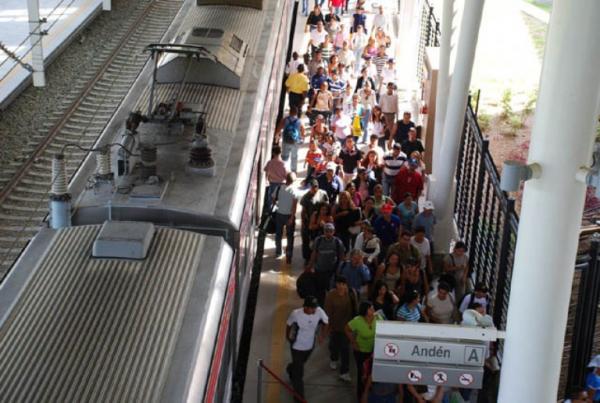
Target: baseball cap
(362,170)
(321,117)
(311,302)
(331,166)
(329,227)
(413,162)
(428,205)
(595,362)
(314,182)
(397,146)
(391,60)
(387,208)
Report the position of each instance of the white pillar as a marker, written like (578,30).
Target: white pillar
(37,52)
(443,80)
(455,113)
(106,5)
(561,142)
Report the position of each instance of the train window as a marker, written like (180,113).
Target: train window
(201,32)
(215,33)
(236,43)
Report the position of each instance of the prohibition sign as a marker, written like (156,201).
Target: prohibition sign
(465,379)
(391,350)
(440,377)
(414,375)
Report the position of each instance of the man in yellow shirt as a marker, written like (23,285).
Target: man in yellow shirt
(297,86)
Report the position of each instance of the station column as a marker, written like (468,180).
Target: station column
(37,52)
(445,165)
(552,206)
(443,81)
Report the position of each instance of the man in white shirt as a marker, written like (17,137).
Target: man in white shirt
(389,105)
(346,56)
(341,124)
(305,321)
(285,216)
(380,21)
(388,74)
(478,296)
(317,36)
(292,65)
(419,241)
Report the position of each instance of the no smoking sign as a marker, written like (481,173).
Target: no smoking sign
(465,379)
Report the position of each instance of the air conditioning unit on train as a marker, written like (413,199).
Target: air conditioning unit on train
(204,56)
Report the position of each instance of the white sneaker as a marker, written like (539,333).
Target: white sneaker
(333,364)
(345,377)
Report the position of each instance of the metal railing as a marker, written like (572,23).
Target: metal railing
(429,36)
(260,366)
(485,217)
(487,222)
(582,333)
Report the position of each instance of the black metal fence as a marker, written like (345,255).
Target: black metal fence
(582,336)
(487,222)
(430,35)
(486,218)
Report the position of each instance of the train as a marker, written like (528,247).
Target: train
(137,289)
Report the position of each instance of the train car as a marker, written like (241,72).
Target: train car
(137,290)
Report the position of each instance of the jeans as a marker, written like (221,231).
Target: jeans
(319,3)
(365,124)
(323,282)
(295,369)
(281,220)
(387,182)
(287,150)
(305,8)
(360,358)
(381,142)
(305,234)
(296,100)
(339,349)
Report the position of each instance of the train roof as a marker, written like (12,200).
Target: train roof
(95,329)
(234,119)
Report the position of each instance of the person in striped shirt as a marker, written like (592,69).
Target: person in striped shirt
(411,310)
(392,162)
(379,61)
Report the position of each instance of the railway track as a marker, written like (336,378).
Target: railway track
(89,106)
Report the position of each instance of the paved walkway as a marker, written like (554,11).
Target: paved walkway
(277,297)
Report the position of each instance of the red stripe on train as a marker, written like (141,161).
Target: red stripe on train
(221,339)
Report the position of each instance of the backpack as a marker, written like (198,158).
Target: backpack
(471,297)
(356,126)
(291,134)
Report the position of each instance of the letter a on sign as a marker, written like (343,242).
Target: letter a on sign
(473,356)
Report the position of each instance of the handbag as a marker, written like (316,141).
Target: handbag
(268,224)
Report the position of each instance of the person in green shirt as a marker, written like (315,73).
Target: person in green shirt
(361,333)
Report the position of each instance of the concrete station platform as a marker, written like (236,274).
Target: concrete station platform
(65,19)
(277,295)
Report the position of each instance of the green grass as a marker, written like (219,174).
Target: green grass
(541,6)
(537,31)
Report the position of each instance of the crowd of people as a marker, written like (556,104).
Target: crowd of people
(366,229)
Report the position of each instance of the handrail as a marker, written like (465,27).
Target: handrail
(260,365)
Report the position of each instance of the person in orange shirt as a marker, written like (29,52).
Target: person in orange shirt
(314,156)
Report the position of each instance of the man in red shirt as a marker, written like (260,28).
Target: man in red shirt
(408,180)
